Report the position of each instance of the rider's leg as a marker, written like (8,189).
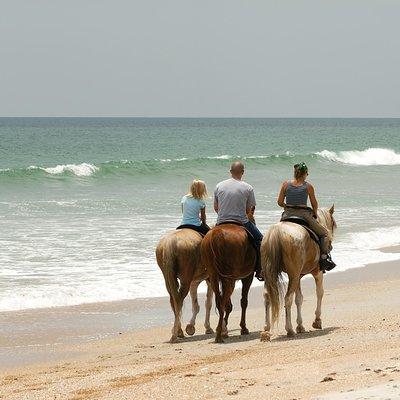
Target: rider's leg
(325,244)
(252,228)
(203,229)
(322,232)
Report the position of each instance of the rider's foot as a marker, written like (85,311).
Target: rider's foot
(259,275)
(326,263)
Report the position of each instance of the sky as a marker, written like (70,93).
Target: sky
(208,58)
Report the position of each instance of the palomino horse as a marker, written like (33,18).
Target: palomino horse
(178,256)
(287,247)
(228,256)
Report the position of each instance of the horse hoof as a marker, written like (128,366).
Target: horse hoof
(219,339)
(244,331)
(225,334)
(173,339)
(290,333)
(180,334)
(209,331)
(300,329)
(317,324)
(190,329)
(265,336)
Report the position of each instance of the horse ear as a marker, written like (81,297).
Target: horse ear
(332,209)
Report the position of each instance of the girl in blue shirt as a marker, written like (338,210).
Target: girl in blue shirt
(194,208)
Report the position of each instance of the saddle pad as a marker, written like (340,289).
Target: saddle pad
(302,222)
(190,227)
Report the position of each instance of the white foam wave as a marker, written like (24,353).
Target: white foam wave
(361,248)
(222,157)
(371,156)
(83,169)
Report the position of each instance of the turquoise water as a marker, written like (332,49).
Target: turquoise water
(84,201)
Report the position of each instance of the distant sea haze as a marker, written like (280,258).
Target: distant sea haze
(84,201)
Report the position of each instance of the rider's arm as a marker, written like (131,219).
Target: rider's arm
(313,200)
(203,215)
(216,206)
(216,200)
(250,214)
(251,205)
(281,197)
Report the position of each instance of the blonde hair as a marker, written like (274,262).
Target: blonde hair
(198,190)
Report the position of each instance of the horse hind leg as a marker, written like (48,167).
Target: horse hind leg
(221,300)
(208,305)
(177,311)
(266,334)
(228,286)
(228,310)
(190,327)
(246,283)
(319,278)
(214,282)
(183,291)
(292,287)
(299,302)
(221,309)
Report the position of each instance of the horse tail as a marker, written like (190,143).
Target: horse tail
(271,258)
(169,269)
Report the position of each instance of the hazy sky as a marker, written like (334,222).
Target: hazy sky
(228,58)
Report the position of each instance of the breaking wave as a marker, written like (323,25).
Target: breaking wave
(371,156)
(368,157)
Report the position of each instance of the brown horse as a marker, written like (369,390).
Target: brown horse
(287,247)
(178,256)
(228,256)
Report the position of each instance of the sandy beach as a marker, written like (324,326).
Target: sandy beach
(357,349)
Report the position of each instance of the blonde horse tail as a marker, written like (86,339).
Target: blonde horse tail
(271,257)
(169,269)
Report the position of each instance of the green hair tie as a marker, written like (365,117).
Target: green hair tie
(301,167)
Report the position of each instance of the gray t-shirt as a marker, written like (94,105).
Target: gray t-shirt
(233,197)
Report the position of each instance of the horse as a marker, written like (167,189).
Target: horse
(178,256)
(287,247)
(228,256)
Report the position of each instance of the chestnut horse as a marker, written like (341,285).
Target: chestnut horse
(228,256)
(178,256)
(288,247)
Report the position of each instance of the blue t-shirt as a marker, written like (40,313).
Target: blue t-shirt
(191,210)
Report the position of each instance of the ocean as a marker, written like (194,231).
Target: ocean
(84,201)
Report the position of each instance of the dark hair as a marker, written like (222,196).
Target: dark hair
(300,170)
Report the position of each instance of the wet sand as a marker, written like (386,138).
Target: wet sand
(102,351)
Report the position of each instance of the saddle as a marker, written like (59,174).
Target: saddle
(190,227)
(249,235)
(304,224)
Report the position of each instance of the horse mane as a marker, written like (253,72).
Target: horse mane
(326,219)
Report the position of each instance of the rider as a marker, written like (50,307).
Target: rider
(234,201)
(297,192)
(194,208)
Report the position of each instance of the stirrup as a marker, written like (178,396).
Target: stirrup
(326,264)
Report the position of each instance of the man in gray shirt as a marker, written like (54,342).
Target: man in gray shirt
(234,200)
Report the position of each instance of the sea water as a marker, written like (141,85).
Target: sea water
(84,201)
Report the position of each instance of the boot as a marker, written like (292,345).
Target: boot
(258,272)
(326,263)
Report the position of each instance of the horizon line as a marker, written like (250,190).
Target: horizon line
(186,117)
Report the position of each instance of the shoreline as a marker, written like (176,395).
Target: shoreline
(359,346)
(27,335)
